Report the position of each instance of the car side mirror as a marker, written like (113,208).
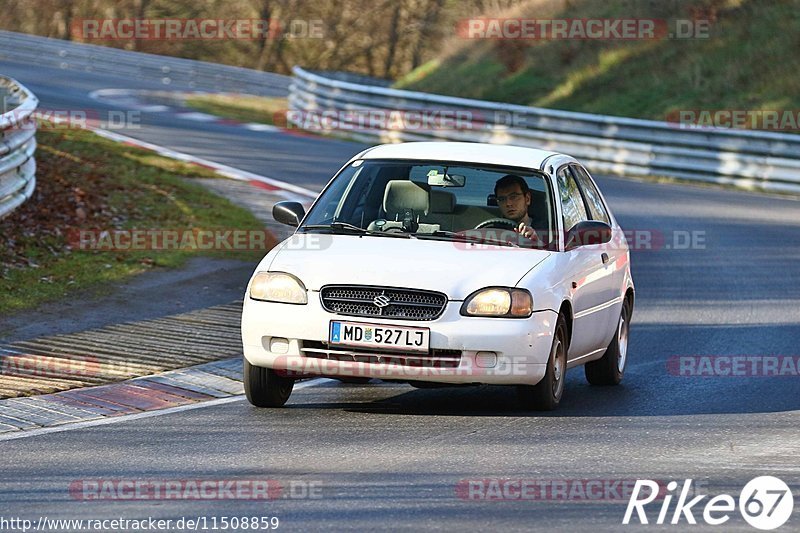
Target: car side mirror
(588,232)
(289,213)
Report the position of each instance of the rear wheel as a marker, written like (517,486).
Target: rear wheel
(609,369)
(546,395)
(264,387)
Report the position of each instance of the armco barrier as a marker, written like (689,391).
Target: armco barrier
(753,159)
(17,145)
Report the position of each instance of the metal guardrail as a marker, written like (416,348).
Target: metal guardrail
(171,72)
(17,145)
(752,159)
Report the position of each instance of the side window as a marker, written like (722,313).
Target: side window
(572,206)
(596,208)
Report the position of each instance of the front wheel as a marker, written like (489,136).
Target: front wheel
(546,395)
(264,387)
(609,369)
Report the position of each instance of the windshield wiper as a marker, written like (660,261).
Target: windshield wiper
(336,225)
(346,226)
(466,237)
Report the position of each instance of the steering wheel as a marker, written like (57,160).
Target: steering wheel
(495,221)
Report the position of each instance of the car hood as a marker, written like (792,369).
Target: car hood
(454,268)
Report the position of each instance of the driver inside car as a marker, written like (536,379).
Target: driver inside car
(514,198)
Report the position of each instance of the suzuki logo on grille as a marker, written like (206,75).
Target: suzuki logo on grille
(381,300)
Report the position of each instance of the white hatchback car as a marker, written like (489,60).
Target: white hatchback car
(412,266)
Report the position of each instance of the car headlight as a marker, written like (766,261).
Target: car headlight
(499,302)
(278,287)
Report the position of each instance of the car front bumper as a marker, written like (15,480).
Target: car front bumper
(520,347)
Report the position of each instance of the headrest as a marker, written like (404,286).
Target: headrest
(442,201)
(401,195)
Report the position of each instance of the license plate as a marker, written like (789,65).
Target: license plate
(379,336)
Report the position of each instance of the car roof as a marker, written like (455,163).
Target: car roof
(492,154)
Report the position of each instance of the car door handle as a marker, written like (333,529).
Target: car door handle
(604,258)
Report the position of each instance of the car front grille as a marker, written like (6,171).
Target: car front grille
(384,302)
(437,358)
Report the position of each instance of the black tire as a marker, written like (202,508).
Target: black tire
(546,395)
(264,387)
(609,369)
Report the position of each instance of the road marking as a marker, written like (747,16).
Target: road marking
(255,126)
(148,414)
(154,108)
(219,168)
(194,115)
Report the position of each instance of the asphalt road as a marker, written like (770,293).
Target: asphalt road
(390,457)
(305,161)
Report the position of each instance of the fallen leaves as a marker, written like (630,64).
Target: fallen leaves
(69,195)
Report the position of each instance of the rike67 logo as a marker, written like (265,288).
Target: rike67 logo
(765,503)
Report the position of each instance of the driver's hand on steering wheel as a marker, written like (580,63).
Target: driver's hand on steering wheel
(526,231)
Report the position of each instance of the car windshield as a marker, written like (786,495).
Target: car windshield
(436,200)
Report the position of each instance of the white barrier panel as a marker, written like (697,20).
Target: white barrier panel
(17,145)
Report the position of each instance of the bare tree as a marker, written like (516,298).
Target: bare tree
(140,9)
(265,13)
(376,37)
(394,36)
(428,26)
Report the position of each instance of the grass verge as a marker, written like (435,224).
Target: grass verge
(746,60)
(241,107)
(86,182)
(259,109)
